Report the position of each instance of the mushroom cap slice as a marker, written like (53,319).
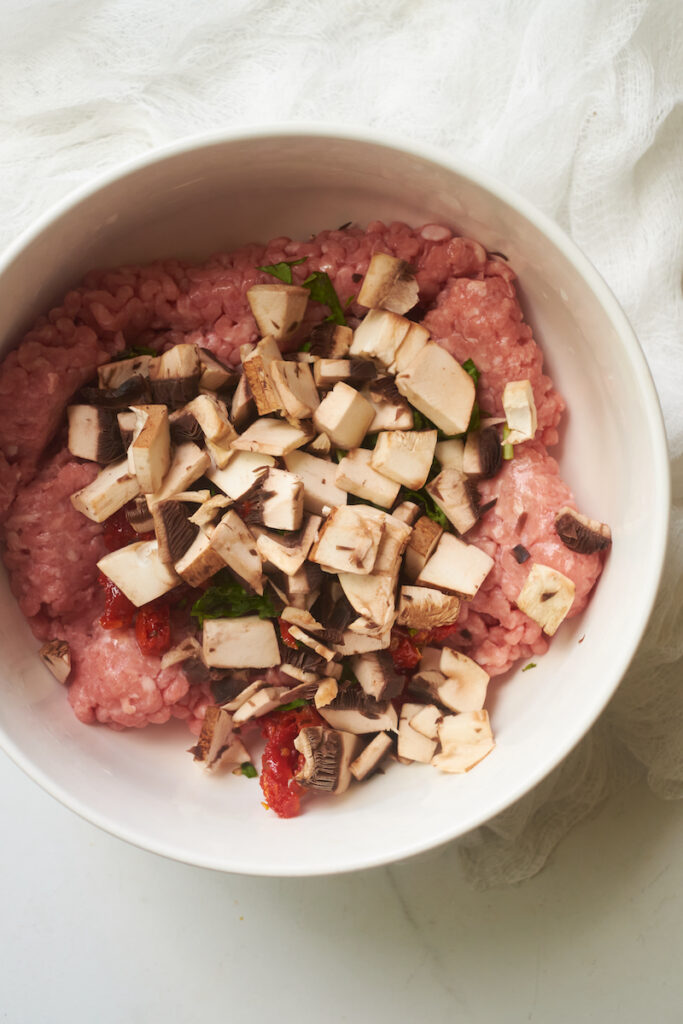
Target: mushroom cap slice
(465,688)
(388,283)
(520,411)
(426,608)
(328,754)
(546,597)
(456,567)
(465,740)
(138,571)
(111,489)
(581,534)
(344,415)
(247,642)
(271,437)
(354,711)
(357,474)
(457,497)
(278,308)
(405,455)
(371,756)
(413,745)
(436,384)
(348,542)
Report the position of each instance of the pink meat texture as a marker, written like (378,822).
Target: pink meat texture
(467,301)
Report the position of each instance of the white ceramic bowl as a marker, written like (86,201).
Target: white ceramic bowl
(209,194)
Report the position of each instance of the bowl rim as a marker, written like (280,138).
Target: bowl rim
(654,420)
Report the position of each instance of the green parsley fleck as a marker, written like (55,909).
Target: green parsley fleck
(322,290)
(248,770)
(532,664)
(508,449)
(134,352)
(283,270)
(293,704)
(428,505)
(226,599)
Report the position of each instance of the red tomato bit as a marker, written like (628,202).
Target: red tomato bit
(287,637)
(281,760)
(118,610)
(118,532)
(153,628)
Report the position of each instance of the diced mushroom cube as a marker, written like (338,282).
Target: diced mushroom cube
(393,543)
(278,308)
(347,542)
(212,417)
(214,374)
(408,512)
(138,571)
(451,454)
(242,472)
(113,375)
(405,455)
(236,546)
(319,476)
(150,450)
(410,348)
(57,657)
(94,434)
(456,567)
(372,597)
(356,474)
(326,692)
(389,284)
(257,365)
(278,501)
(377,675)
(261,703)
(248,642)
(421,546)
(483,454)
(426,608)
(546,597)
(243,407)
(214,740)
(392,412)
(188,464)
(359,643)
(111,489)
(581,534)
(467,681)
(436,384)
(328,372)
(520,411)
(296,388)
(379,336)
(174,531)
(465,740)
(330,340)
(412,745)
(289,553)
(271,437)
(427,721)
(457,497)
(344,415)
(354,711)
(371,756)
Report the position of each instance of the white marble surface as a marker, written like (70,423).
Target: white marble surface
(92,929)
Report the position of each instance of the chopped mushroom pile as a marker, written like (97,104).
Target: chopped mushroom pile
(313,502)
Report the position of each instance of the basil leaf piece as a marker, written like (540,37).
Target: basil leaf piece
(429,506)
(283,270)
(226,599)
(248,770)
(532,664)
(293,704)
(322,291)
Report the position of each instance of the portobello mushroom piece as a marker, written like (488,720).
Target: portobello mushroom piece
(94,434)
(326,690)
(355,711)
(344,415)
(373,597)
(302,663)
(305,581)
(320,445)
(330,341)
(427,720)
(466,682)
(126,421)
(348,542)
(581,534)
(138,571)
(457,497)
(302,618)
(149,455)
(262,702)
(314,644)
(327,754)
(319,479)
(371,757)
(247,642)
(390,413)
(483,453)
(174,532)
(421,546)
(135,390)
(271,436)
(360,643)
(437,386)
(295,388)
(184,427)
(377,675)
(188,464)
(139,515)
(256,369)
(405,456)
(408,512)
(188,649)
(426,608)
(456,567)
(520,411)
(356,473)
(235,544)
(56,656)
(214,737)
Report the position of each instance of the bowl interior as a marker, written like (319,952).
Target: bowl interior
(219,195)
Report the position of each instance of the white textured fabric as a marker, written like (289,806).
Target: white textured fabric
(577,105)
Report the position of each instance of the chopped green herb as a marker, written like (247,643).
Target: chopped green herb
(339,454)
(351,298)
(306,347)
(475,418)
(469,367)
(228,600)
(430,507)
(532,664)
(508,450)
(133,352)
(283,270)
(322,290)
(293,704)
(248,770)
(412,631)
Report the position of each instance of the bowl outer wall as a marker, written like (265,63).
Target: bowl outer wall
(139,786)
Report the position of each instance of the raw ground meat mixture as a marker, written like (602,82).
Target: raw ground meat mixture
(469,304)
